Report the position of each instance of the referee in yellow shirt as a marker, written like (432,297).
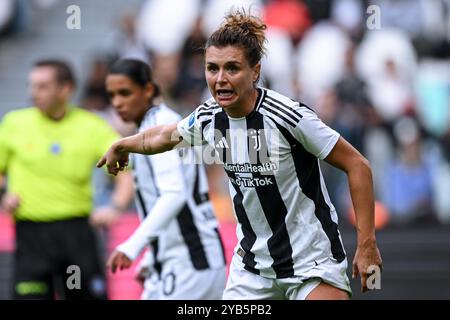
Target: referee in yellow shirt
(47,154)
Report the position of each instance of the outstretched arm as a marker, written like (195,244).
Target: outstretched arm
(357,168)
(154,140)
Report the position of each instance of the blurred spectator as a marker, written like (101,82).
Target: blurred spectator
(16,15)
(289,15)
(408,178)
(379,149)
(6,15)
(406,15)
(215,10)
(319,9)
(124,41)
(320,60)
(277,70)
(441,185)
(432,85)
(379,46)
(386,60)
(346,108)
(95,96)
(385,55)
(287,21)
(157,15)
(45,4)
(445,143)
(425,21)
(354,110)
(165,47)
(350,14)
(190,84)
(391,94)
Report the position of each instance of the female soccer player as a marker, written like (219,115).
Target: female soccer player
(289,244)
(178,220)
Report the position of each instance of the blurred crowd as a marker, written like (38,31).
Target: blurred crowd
(377,71)
(15,14)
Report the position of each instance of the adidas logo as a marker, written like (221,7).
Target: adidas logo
(222,144)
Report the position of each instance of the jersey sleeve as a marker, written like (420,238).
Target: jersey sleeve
(172,196)
(6,135)
(168,174)
(163,212)
(190,128)
(315,136)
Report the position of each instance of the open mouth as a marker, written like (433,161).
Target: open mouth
(225,93)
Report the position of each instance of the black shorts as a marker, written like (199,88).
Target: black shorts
(57,259)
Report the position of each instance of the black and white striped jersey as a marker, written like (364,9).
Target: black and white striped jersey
(286,222)
(177,218)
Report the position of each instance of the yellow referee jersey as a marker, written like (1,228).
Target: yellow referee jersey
(49,163)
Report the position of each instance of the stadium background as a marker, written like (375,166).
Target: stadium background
(377,71)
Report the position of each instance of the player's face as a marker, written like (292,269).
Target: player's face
(45,91)
(230,78)
(129,99)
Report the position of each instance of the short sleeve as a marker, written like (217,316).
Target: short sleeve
(191,128)
(5,138)
(315,136)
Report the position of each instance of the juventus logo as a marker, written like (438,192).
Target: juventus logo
(254,135)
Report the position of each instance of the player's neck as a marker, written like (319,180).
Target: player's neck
(57,112)
(245,108)
(139,120)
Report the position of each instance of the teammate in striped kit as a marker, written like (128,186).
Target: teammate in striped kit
(289,244)
(178,220)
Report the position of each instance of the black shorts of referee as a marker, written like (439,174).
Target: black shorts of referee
(57,260)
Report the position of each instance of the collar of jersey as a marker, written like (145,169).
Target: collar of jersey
(258,102)
(69,107)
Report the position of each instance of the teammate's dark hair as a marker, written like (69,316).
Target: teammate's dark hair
(138,71)
(64,74)
(243,30)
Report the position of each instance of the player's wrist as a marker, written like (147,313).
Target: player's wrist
(120,146)
(118,208)
(366,240)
